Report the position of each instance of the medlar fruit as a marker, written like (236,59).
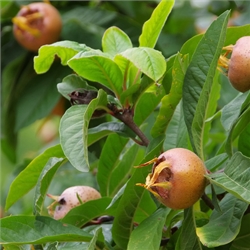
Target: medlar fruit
(177,179)
(70,198)
(239,65)
(37,24)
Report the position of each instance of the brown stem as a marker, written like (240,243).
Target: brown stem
(207,201)
(127,118)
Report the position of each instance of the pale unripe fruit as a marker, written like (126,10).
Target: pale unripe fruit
(239,65)
(177,179)
(37,24)
(70,198)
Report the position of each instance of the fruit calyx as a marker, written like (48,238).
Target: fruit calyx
(24,23)
(159,166)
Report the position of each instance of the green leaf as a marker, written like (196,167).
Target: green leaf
(115,41)
(149,232)
(242,240)
(28,178)
(188,238)
(170,101)
(151,29)
(130,202)
(199,79)
(97,66)
(108,161)
(176,133)
(235,178)
(127,95)
(144,84)
(122,171)
(213,163)
(65,50)
(147,102)
(92,244)
(71,83)
(106,128)
(132,76)
(38,230)
(86,212)
(232,111)
(224,225)
(243,143)
(44,181)
(239,125)
(74,130)
(146,207)
(151,62)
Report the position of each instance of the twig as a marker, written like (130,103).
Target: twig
(127,118)
(207,201)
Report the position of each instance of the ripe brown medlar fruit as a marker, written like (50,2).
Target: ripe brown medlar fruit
(177,179)
(70,198)
(37,24)
(238,66)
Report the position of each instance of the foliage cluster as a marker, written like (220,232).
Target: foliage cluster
(143,99)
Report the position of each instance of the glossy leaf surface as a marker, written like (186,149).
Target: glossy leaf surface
(38,230)
(74,130)
(28,178)
(65,50)
(223,225)
(152,28)
(235,178)
(199,79)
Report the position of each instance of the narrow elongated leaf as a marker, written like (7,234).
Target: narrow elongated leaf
(74,129)
(65,50)
(170,101)
(235,178)
(28,178)
(199,79)
(188,238)
(97,66)
(122,171)
(176,133)
(38,230)
(129,203)
(86,212)
(43,182)
(92,244)
(149,232)
(108,161)
(115,41)
(223,225)
(71,83)
(152,28)
(151,62)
